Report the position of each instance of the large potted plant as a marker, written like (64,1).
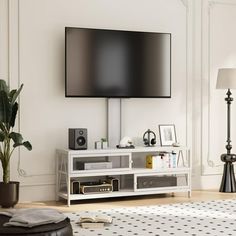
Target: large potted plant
(9,141)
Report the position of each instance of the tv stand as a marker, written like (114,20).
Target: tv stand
(128,165)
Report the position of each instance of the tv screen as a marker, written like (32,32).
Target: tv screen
(115,63)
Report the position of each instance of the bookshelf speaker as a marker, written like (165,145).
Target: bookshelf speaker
(74,187)
(114,182)
(77,139)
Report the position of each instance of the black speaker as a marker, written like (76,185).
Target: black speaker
(74,187)
(114,182)
(78,139)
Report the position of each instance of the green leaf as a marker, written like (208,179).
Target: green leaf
(5,108)
(2,127)
(3,86)
(2,136)
(17,144)
(16,137)
(13,114)
(11,94)
(27,145)
(16,94)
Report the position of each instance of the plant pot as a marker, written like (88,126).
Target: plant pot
(9,194)
(104,145)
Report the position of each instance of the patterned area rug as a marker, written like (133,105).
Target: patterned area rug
(184,219)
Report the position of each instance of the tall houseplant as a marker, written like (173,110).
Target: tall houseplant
(9,141)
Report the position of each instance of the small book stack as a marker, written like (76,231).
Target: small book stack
(161,161)
(94,221)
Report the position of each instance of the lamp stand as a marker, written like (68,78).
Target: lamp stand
(228,183)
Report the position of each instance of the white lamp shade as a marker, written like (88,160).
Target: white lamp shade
(226,78)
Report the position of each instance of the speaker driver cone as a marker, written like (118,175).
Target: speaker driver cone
(81,141)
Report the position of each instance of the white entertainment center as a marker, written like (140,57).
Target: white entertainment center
(115,172)
(128,166)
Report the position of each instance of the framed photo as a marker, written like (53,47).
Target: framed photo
(167,135)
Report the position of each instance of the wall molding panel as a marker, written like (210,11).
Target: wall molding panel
(4,47)
(14,64)
(211,164)
(185,3)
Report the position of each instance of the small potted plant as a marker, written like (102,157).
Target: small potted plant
(9,141)
(104,143)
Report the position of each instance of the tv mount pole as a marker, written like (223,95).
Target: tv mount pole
(114,121)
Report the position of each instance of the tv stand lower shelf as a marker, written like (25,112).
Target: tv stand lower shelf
(128,167)
(121,193)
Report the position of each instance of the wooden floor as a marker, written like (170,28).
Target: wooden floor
(130,201)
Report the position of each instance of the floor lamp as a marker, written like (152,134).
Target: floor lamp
(226,79)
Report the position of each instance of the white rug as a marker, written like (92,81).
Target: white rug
(184,219)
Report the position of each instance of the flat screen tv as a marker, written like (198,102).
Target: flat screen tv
(116,63)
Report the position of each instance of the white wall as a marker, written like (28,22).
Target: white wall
(32,52)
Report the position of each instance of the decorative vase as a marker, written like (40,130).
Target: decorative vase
(9,194)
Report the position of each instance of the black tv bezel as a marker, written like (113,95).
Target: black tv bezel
(96,96)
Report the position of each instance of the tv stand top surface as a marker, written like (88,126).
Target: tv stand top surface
(137,149)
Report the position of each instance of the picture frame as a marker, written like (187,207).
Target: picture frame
(167,135)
